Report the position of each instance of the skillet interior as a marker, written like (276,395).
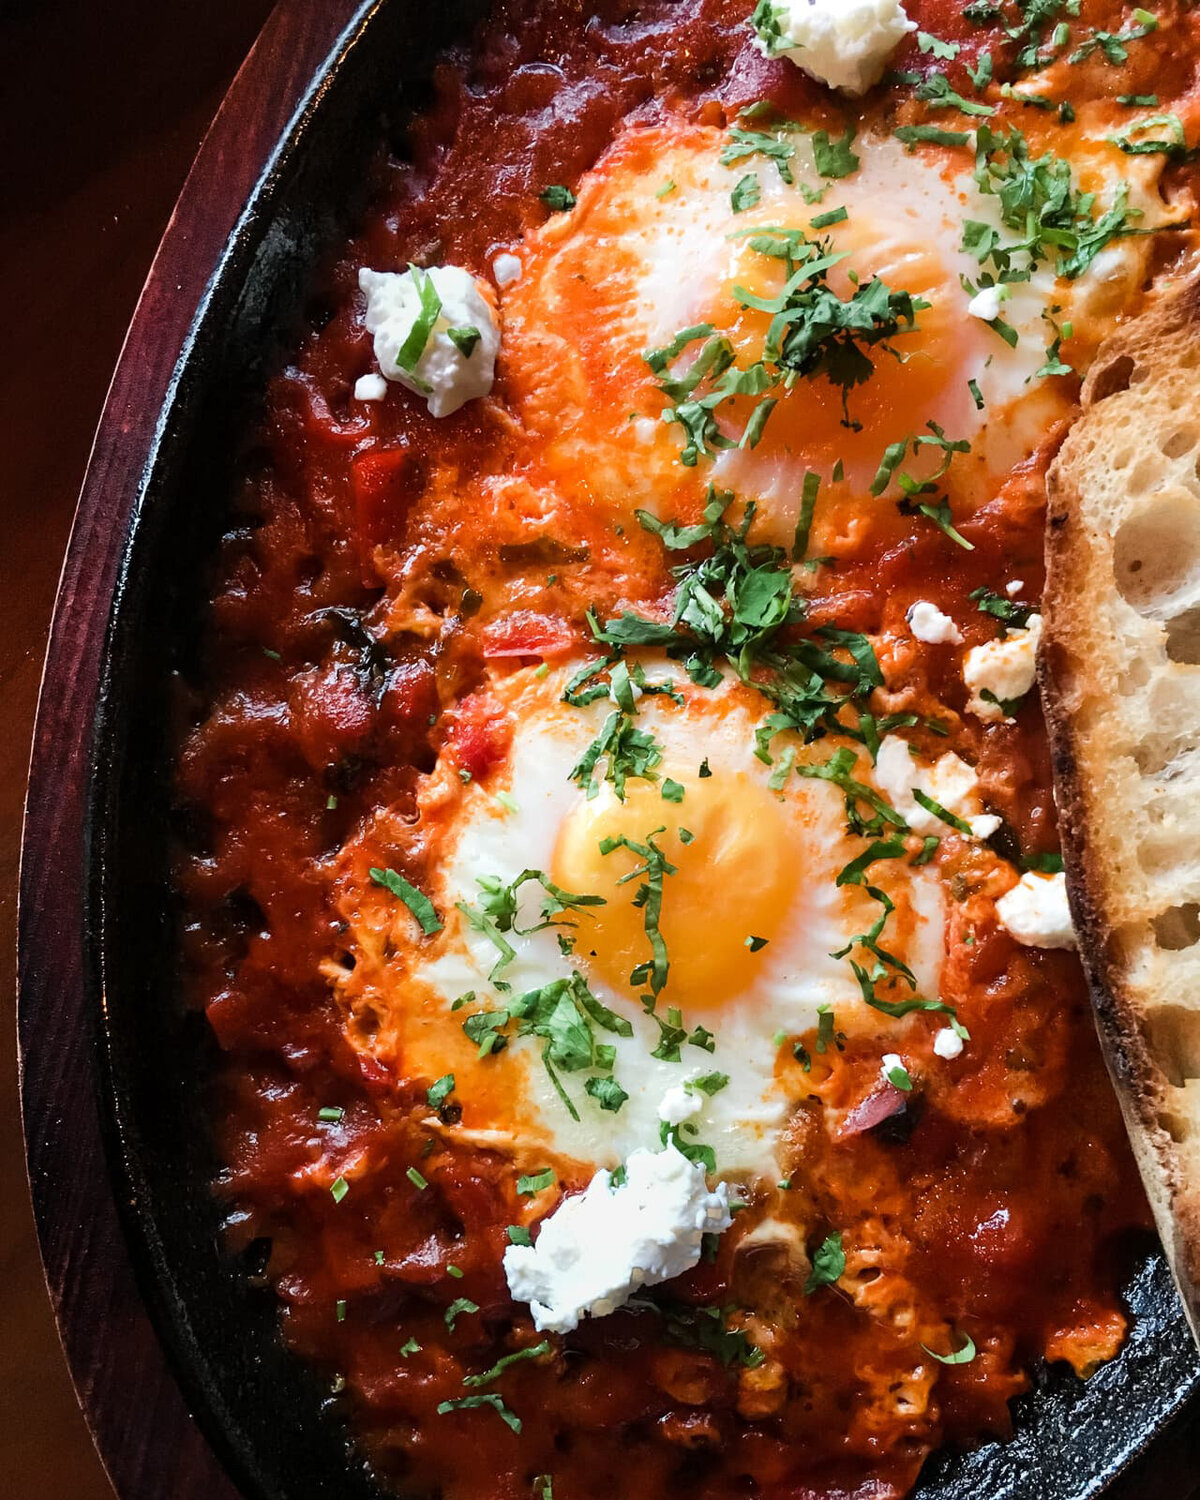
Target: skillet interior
(268,1417)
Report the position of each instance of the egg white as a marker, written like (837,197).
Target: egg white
(655,247)
(785,982)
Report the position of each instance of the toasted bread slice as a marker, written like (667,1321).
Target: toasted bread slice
(1120,675)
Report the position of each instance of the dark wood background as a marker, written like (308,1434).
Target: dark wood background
(102,107)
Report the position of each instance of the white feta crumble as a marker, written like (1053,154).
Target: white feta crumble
(844,43)
(929,624)
(949,782)
(598,1247)
(440,370)
(1036,912)
(372,387)
(1006,669)
(506,269)
(889,1063)
(947,1043)
(1014,588)
(679,1104)
(985,304)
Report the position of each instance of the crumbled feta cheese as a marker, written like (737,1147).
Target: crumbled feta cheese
(844,43)
(889,1062)
(1014,588)
(947,1043)
(598,1247)
(679,1104)
(372,387)
(1036,912)
(1005,668)
(506,269)
(929,624)
(443,374)
(950,782)
(985,304)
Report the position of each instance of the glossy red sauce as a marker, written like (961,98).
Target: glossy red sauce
(1001,1207)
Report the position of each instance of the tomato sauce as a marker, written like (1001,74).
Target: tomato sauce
(996,1208)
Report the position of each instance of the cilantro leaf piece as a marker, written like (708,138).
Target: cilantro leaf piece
(410,351)
(828,1263)
(505,1362)
(707,1329)
(934,135)
(607,1092)
(536,1182)
(558,199)
(437,1093)
(488,1398)
(834,158)
(746,193)
(464,339)
(417,902)
(962,1356)
(743,143)
(939,811)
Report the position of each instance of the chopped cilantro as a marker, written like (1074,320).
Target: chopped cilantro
(536,1182)
(962,1356)
(487,1398)
(708,1083)
(1170,142)
(828,1263)
(911,135)
(1014,614)
(437,1093)
(464,339)
(459,1306)
(939,811)
(419,904)
(532,1351)
(411,350)
(707,1329)
(745,193)
(834,158)
(558,199)
(607,1092)
(744,143)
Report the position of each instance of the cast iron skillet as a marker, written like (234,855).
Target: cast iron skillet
(266,1413)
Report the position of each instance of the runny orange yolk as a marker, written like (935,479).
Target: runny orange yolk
(908,386)
(734,880)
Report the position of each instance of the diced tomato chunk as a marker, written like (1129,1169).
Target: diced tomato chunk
(524,633)
(481,733)
(410,701)
(332,715)
(383,482)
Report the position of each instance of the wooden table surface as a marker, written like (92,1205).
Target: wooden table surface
(102,108)
(101,111)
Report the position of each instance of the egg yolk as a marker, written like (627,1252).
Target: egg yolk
(816,421)
(732,881)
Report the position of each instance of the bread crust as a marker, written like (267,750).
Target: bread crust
(1120,679)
